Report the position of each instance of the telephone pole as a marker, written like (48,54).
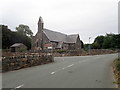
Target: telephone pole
(89,45)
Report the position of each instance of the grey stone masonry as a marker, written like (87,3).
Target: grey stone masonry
(16,62)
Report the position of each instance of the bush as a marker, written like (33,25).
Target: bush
(119,59)
(61,51)
(22,50)
(118,64)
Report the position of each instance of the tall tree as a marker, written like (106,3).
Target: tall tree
(10,37)
(6,37)
(98,42)
(25,30)
(95,45)
(109,41)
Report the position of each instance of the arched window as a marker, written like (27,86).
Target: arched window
(37,44)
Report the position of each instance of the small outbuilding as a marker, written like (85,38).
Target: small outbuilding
(18,47)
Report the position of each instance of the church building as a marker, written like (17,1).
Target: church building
(48,39)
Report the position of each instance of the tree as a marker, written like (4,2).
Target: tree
(95,46)
(10,37)
(86,46)
(109,41)
(82,44)
(98,42)
(6,37)
(25,30)
(116,41)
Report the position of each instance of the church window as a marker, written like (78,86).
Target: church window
(37,44)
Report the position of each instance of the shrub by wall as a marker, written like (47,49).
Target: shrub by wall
(116,70)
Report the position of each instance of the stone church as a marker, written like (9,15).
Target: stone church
(48,39)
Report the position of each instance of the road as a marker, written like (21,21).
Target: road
(66,72)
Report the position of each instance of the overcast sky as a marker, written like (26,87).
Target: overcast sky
(88,18)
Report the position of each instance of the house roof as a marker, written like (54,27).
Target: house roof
(54,36)
(60,37)
(72,38)
(16,45)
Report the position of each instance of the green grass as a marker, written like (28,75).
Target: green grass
(115,82)
(118,64)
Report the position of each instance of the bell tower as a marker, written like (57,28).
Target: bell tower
(40,25)
(40,33)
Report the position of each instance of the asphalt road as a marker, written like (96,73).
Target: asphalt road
(65,72)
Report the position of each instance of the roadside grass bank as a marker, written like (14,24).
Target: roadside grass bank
(116,71)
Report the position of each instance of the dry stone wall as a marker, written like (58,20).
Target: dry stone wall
(10,63)
(15,61)
(85,53)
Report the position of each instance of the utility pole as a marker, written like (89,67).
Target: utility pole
(89,45)
(119,22)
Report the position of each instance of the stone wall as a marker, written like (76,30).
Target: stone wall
(18,61)
(84,53)
(14,61)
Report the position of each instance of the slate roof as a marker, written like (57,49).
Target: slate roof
(60,37)
(72,38)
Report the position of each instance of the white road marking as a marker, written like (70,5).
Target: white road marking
(52,72)
(62,69)
(18,87)
(70,65)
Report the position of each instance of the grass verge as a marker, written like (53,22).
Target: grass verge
(116,70)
